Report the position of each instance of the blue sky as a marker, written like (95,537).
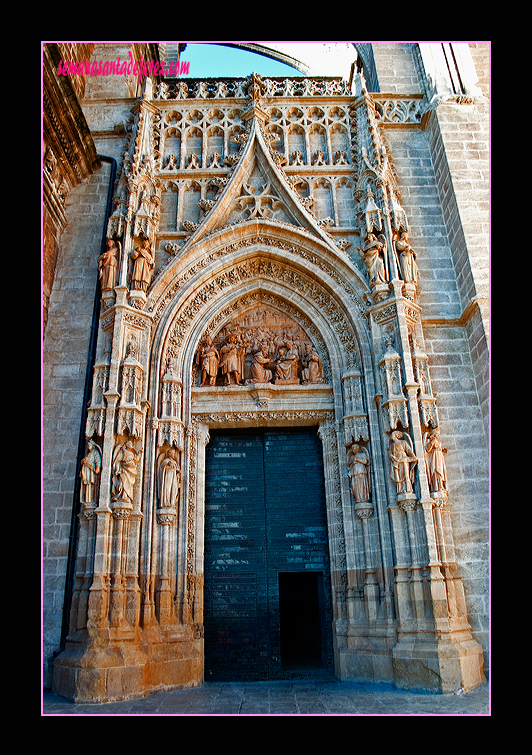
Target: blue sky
(208,60)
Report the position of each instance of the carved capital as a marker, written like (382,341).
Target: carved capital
(166,516)
(88,512)
(407,501)
(439,498)
(121,509)
(364,510)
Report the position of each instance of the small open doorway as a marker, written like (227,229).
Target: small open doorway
(301,619)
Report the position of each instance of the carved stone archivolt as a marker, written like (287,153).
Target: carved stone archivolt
(263,269)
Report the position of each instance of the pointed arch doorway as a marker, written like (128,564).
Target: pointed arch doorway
(267,592)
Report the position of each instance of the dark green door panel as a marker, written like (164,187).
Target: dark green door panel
(265,517)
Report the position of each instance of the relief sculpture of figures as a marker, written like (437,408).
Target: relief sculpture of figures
(403,461)
(231,361)
(142,267)
(91,466)
(125,465)
(261,346)
(434,454)
(407,259)
(287,365)
(108,265)
(209,360)
(358,465)
(168,478)
(258,372)
(313,372)
(372,254)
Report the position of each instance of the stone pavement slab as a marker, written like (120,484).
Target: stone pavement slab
(300,698)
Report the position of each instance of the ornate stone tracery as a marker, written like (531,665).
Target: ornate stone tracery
(250,312)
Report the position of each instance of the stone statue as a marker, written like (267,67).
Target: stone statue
(407,259)
(286,368)
(403,460)
(230,360)
(91,466)
(434,454)
(142,267)
(168,478)
(254,86)
(209,358)
(313,372)
(125,465)
(358,465)
(108,265)
(258,372)
(371,254)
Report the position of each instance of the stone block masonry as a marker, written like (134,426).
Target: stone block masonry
(458,134)
(66,347)
(453,380)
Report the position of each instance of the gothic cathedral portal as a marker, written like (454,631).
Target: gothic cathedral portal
(262,431)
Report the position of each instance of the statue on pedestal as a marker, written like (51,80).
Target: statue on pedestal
(434,454)
(372,254)
(126,460)
(108,265)
(407,259)
(143,264)
(358,465)
(403,461)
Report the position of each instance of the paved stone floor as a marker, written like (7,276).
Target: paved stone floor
(319,698)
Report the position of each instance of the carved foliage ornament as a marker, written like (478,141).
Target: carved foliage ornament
(255,269)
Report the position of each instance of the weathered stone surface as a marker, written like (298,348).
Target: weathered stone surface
(277,254)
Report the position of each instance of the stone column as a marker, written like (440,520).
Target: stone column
(166,518)
(408,503)
(364,512)
(341,558)
(121,511)
(80,596)
(402,567)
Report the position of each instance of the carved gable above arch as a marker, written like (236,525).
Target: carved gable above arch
(257,188)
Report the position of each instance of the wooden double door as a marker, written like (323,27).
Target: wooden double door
(267,605)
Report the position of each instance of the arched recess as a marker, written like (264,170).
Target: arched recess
(219,267)
(223,275)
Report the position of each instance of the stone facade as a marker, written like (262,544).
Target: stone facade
(273,253)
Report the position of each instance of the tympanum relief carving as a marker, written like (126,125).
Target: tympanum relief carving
(263,345)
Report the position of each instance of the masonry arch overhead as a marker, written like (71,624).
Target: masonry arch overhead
(315,58)
(259,256)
